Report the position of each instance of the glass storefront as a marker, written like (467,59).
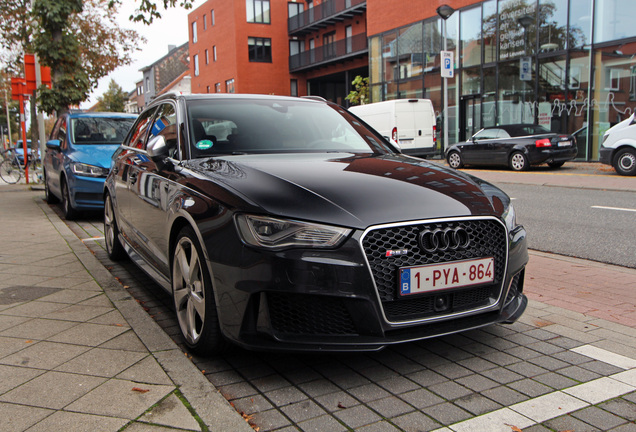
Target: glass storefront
(569,65)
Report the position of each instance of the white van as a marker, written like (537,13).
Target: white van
(619,147)
(409,122)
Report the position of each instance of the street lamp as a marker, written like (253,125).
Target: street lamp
(445,11)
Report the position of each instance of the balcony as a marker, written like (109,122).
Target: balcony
(324,14)
(326,54)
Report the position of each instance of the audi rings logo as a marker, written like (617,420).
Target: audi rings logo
(441,240)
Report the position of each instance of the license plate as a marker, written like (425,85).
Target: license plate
(565,143)
(435,277)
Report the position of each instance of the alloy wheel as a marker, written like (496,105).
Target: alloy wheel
(455,160)
(518,162)
(188,290)
(109,232)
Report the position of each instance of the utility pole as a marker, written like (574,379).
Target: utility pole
(41,132)
(6,103)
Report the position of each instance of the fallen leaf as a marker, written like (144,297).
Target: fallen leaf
(341,406)
(514,428)
(541,323)
(140,390)
(29,341)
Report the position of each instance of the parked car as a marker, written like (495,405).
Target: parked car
(517,146)
(305,230)
(619,147)
(19,150)
(408,122)
(78,156)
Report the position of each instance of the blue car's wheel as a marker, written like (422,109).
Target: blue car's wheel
(67,207)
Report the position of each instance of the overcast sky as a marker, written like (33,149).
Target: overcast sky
(171,29)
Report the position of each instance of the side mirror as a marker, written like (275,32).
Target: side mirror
(157,148)
(53,144)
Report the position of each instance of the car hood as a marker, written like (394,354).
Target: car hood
(350,190)
(94,154)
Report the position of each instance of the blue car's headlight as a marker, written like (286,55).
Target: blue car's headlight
(88,170)
(276,234)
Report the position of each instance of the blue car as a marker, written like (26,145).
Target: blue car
(78,156)
(19,150)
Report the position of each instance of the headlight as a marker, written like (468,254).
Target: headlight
(605,137)
(88,170)
(276,234)
(510,217)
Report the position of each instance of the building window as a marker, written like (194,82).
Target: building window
(207,57)
(260,49)
(229,86)
(196,64)
(349,38)
(293,87)
(212,21)
(194,32)
(217,87)
(214,53)
(207,88)
(205,22)
(257,11)
(147,84)
(329,45)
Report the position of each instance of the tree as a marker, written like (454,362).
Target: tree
(360,95)
(147,11)
(81,42)
(113,99)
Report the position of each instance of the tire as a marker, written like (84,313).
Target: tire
(10,173)
(455,160)
(518,161)
(48,196)
(114,248)
(194,297)
(625,162)
(555,165)
(67,207)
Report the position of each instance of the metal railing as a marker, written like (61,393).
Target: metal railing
(325,12)
(335,51)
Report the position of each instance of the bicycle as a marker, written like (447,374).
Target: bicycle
(12,170)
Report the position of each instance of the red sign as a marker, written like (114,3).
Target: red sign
(29,72)
(18,88)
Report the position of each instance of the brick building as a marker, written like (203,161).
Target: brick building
(578,57)
(278,47)
(163,73)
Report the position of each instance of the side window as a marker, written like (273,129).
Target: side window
(60,134)
(165,124)
(487,134)
(503,134)
(137,136)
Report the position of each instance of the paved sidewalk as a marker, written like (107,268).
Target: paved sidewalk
(77,353)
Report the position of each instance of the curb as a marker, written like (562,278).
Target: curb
(213,409)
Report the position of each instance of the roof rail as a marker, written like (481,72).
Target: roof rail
(316,98)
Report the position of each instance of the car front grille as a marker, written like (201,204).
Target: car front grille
(300,314)
(487,239)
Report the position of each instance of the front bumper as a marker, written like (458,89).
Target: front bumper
(605,155)
(301,300)
(86,193)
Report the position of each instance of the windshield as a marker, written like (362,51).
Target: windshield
(276,126)
(99,130)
